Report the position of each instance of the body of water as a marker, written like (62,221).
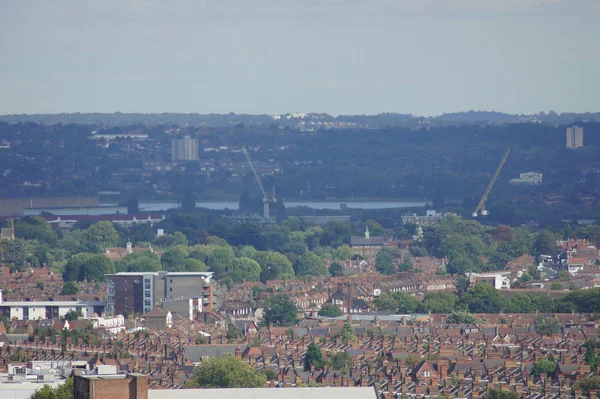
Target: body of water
(220,205)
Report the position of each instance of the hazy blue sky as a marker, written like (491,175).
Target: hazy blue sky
(423,57)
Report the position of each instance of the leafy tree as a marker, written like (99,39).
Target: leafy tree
(280,211)
(225,372)
(233,332)
(35,228)
(73,315)
(220,260)
(545,243)
(439,199)
(189,202)
(139,262)
(310,265)
(375,229)
(280,310)
(330,310)
(396,302)
(274,266)
(482,298)
(439,302)
(546,325)
(503,233)
(244,269)
(173,259)
(384,263)
(347,333)
(14,252)
(86,266)
(69,288)
(586,301)
(102,235)
(500,394)
(341,361)
(313,357)
(588,384)
(336,234)
(247,251)
(461,317)
(63,391)
(556,286)
(543,366)
(194,265)
(385,302)
(343,252)
(336,270)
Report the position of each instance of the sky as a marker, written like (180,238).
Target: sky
(424,57)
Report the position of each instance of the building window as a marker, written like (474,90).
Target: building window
(426,373)
(147,302)
(26,313)
(147,294)
(146,284)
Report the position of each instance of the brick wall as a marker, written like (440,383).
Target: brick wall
(133,386)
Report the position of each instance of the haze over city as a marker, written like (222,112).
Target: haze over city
(424,57)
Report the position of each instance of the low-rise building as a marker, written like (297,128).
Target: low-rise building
(498,280)
(36,310)
(367,246)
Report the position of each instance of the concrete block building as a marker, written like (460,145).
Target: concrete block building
(139,293)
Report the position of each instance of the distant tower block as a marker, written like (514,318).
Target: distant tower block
(574,137)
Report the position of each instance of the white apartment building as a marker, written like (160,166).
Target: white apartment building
(185,149)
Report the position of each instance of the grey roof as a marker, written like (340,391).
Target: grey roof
(195,353)
(265,393)
(362,241)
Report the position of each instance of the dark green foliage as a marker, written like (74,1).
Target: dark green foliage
(543,366)
(274,266)
(63,391)
(69,288)
(482,298)
(384,263)
(588,384)
(336,270)
(500,394)
(233,332)
(244,269)
(396,302)
(341,361)
(189,202)
(310,265)
(279,310)
(35,228)
(73,315)
(439,302)
(139,262)
(101,235)
(90,267)
(461,317)
(330,310)
(225,372)
(14,253)
(336,234)
(545,243)
(313,357)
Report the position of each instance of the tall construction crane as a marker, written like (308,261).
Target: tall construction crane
(481,206)
(267,197)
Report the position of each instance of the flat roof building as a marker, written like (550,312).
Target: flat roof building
(139,293)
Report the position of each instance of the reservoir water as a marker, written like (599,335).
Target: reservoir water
(220,205)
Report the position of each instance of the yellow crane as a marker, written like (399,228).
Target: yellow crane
(481,206)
